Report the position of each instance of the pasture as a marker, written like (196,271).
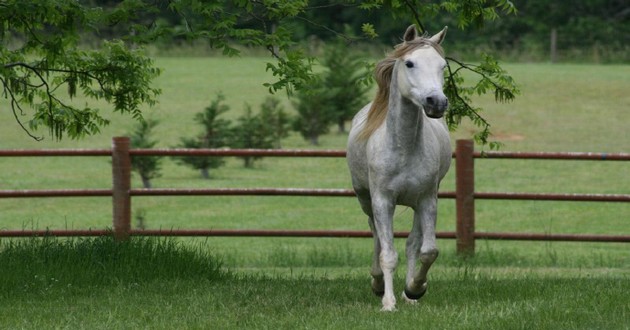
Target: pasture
(324,283)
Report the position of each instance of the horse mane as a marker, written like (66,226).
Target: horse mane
(383,75)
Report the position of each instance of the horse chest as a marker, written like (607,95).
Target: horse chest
(413,183)
(407,180)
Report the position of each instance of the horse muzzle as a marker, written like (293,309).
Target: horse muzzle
(435,106)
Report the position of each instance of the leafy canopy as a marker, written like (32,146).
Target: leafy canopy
(43,68)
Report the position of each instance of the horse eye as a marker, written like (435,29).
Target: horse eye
(409,64)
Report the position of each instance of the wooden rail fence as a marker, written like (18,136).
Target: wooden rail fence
(464,194)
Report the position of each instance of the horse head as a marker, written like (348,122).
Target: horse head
(420,71)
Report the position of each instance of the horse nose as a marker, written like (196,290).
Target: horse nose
(436,105)
(439,103)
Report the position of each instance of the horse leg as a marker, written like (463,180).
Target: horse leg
(383,210)
(378,286)
(414,243)
(421,245)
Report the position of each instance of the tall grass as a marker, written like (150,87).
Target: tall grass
(31,266)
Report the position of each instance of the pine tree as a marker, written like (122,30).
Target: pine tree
(250,133)
(343,80)
(216,134)
(315,112)
(148,167)
(337,95)
(275,121)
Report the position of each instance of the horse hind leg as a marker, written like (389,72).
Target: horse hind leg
(417,286)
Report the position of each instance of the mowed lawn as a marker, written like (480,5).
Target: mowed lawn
(324,283)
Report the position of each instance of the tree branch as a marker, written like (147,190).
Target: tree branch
(461,99)
(416,16)
(15,105)
(501,93)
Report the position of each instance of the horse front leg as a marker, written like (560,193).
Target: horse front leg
(383,210)
(378,286)
(421,245)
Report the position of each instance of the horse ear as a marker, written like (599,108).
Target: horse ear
(411,33)
(438,37)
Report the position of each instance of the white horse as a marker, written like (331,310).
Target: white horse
(398,152)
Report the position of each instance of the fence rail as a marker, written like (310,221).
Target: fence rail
(464,195)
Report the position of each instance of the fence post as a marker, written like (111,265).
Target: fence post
(121,180)
(464,197)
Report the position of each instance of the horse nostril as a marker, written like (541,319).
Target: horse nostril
(430,101)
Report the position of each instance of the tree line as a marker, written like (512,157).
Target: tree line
(332,101)
(582,26)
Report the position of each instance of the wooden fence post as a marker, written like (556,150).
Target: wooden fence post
(464,197)
(121,180)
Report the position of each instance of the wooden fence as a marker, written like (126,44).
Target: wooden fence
(464,194)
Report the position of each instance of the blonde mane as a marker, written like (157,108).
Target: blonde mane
(383,76)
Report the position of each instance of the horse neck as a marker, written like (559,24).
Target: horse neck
(404,119)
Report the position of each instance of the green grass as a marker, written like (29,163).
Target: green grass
(37,265)
(324,283)
(163,284)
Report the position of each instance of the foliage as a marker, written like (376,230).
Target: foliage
(491,77)
(335,97)
(48,32)
(294,67)
(275,121)
(44,69)
(344,83)
(315,113)
(465,13)
(148,167)
(250,133)
(41,61)
(262,130)
(216,134)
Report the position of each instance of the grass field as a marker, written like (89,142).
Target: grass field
(161,284)
(323,283)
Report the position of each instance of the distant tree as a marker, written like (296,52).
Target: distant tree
(344,80)
(250,133)
(338,94)
(315,112)
(275,120)
(148,167)
(262,130)
(216,134)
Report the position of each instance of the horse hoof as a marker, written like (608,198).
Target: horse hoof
(378,287)
(407,299)
(388,309)
(413,297)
